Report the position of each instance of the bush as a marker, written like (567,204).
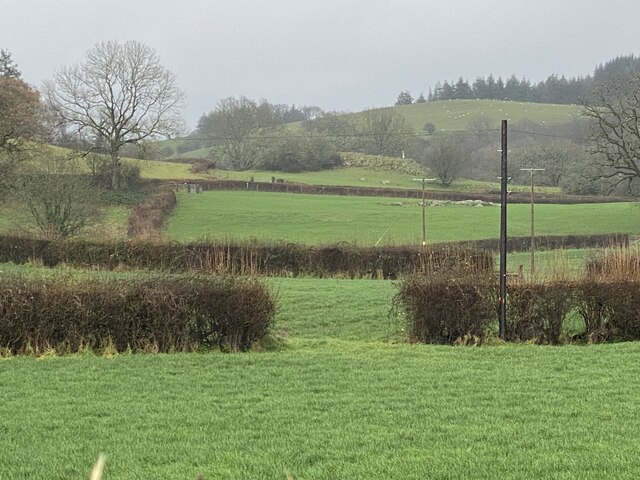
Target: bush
(164,314)
(101,169)
(149,216)
(442,309)
(286,259)
(536,311)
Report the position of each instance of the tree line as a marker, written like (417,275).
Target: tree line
(555,89)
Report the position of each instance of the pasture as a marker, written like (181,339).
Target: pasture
(451,115)
(368,177)
(317,219)
(336,394)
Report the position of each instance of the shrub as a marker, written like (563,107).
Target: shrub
(615,263)
(165,314)
(610,309)
(536,311)
(443,309)
(247,258)
(149,216)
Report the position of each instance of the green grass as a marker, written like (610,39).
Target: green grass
(548,262)
(364,177)
(457,114)
(111,223)
(161,170)
(449,115)
(341,397)
(314,219)
(327,409)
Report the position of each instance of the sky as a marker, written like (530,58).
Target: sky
(343,55)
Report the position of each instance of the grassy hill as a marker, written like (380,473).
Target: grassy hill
(449,115)
(457,114)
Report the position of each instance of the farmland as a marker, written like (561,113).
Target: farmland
(335,390)
(451,115)
(315,219)
(338,394)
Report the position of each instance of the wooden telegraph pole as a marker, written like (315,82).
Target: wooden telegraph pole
(533,235)
(424,212)
(504,179)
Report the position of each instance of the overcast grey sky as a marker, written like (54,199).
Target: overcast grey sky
(336,54)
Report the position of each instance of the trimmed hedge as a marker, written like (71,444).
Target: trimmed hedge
(163,314)
(442,309)
(536,311)
(148,217)
(514,197)
(549,242)
(250,258)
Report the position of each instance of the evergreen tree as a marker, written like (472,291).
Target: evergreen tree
(8,67)
(448,91)
(462,89)
(404,98)
(480,89)
(421,98)
(491,88)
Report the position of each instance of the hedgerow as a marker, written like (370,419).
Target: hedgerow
(160,314)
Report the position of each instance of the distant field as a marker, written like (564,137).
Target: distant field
(313,219)
(364,177)
(162,170)
(456,114)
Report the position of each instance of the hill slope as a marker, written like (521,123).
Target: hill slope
(451,115)
(457,114)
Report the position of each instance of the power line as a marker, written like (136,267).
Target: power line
(552,135)
(340,135)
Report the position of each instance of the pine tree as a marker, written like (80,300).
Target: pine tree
(8,68)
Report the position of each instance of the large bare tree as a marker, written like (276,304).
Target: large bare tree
(238,127)
(120,94)
(615,130)
(385,132)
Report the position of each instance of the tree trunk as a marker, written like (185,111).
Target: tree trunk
(115,170)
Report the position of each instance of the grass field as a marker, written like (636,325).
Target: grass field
(315,219)
(457,114)
(340,397)
(364,177)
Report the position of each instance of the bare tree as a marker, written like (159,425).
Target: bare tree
(237,125)
(57,196)
(615,128)
(446,159)
(385,132)
(120,94)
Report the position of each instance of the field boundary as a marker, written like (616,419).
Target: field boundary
(302,188)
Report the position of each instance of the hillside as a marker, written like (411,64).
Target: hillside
(449,115)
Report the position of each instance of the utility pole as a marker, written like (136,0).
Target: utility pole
(504,179)
(533,236)
(424,213)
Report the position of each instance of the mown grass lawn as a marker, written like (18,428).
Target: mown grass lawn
(314,219)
